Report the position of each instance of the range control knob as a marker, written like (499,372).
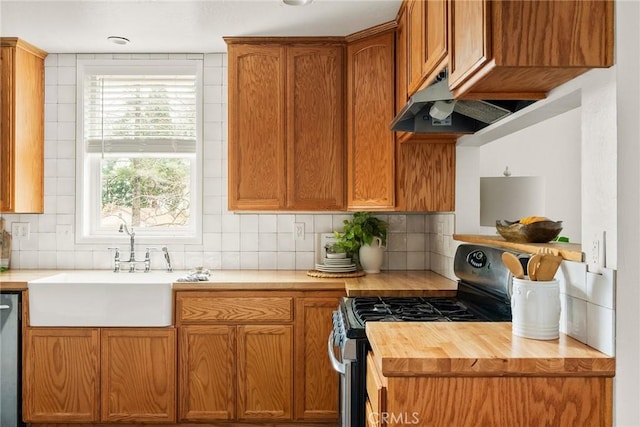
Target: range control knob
(477,259)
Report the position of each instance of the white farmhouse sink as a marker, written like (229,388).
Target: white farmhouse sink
(101,299)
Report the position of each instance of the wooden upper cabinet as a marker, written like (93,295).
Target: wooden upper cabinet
(257,157)
(286,126)
(138,375)
(315,127)
(504,49)
(402,83)
(21,127)
(370,109)
(426,41)
(61,375)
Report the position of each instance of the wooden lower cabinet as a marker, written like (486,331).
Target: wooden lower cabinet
(61,380)
(316,383)
(256,361)
(138,381)
(207,372)
(492,400)
(265,369)
(85,375)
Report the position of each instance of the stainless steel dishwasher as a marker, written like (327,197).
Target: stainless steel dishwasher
(10,366)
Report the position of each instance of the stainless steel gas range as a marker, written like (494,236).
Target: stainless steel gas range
(483,295)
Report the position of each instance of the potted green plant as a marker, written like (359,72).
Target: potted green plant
(364,236)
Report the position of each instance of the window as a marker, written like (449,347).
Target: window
(139,145)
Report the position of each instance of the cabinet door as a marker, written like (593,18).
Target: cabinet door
(265,369)
(426,176)
(435,38)
(21,127)
(138,374)
(370,142)
(401,60)
(61,375)
(315,128)
(469,39)
(256,127)
(207,373)
(415,42)
(316,383)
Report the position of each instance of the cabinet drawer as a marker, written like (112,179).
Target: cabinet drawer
(376,390)
(199,309)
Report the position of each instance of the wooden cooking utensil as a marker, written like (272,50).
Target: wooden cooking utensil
(548,266)
(513,264)
(533,265)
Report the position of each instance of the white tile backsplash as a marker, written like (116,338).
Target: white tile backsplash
(573,279)
(601,328)
(601,288)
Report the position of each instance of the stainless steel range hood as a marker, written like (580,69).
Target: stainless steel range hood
(434,110)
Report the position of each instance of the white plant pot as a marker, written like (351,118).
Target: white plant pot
(371,256)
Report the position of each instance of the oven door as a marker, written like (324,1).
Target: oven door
(350,364)
(344,369)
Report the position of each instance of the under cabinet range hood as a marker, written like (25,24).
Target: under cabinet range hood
(434,110)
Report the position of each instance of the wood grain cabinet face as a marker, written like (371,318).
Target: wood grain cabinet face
(245,364)
(316,382)
(426,175)
(138,375)
(505,49)
(236,356)
(92,375)
(286,126)
(426,41)
(370,142)
(207,364)
(61,375)
(265,369)
(256,127)
(21,127)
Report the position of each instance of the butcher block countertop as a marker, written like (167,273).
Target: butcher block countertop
(397,283)
(478,349)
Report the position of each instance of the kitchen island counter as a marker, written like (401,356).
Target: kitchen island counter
(480,349)
(471,374)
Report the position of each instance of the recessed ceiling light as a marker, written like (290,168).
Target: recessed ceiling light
(296,2)
(118,40)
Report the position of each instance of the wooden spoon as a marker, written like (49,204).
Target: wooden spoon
(513,264)
(548,266)
(533,265)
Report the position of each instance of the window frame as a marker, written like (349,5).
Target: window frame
(88,171)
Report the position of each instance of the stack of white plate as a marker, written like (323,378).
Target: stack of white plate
(336,265)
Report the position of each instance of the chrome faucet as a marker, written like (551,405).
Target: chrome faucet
(132,252)
(132,236)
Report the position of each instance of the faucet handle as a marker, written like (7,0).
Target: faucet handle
(116,250)
(167,259)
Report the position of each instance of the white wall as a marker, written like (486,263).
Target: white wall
(550,149)
(627,381)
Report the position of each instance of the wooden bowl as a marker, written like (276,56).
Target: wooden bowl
(537,232)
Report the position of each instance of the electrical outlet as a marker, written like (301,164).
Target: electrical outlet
(298,231)
(596,259)
(21,230)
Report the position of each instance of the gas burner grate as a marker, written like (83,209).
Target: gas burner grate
(411,309)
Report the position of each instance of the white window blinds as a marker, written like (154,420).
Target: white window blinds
(140,113)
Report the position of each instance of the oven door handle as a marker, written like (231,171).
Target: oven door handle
(335,363)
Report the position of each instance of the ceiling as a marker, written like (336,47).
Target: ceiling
(179,26)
